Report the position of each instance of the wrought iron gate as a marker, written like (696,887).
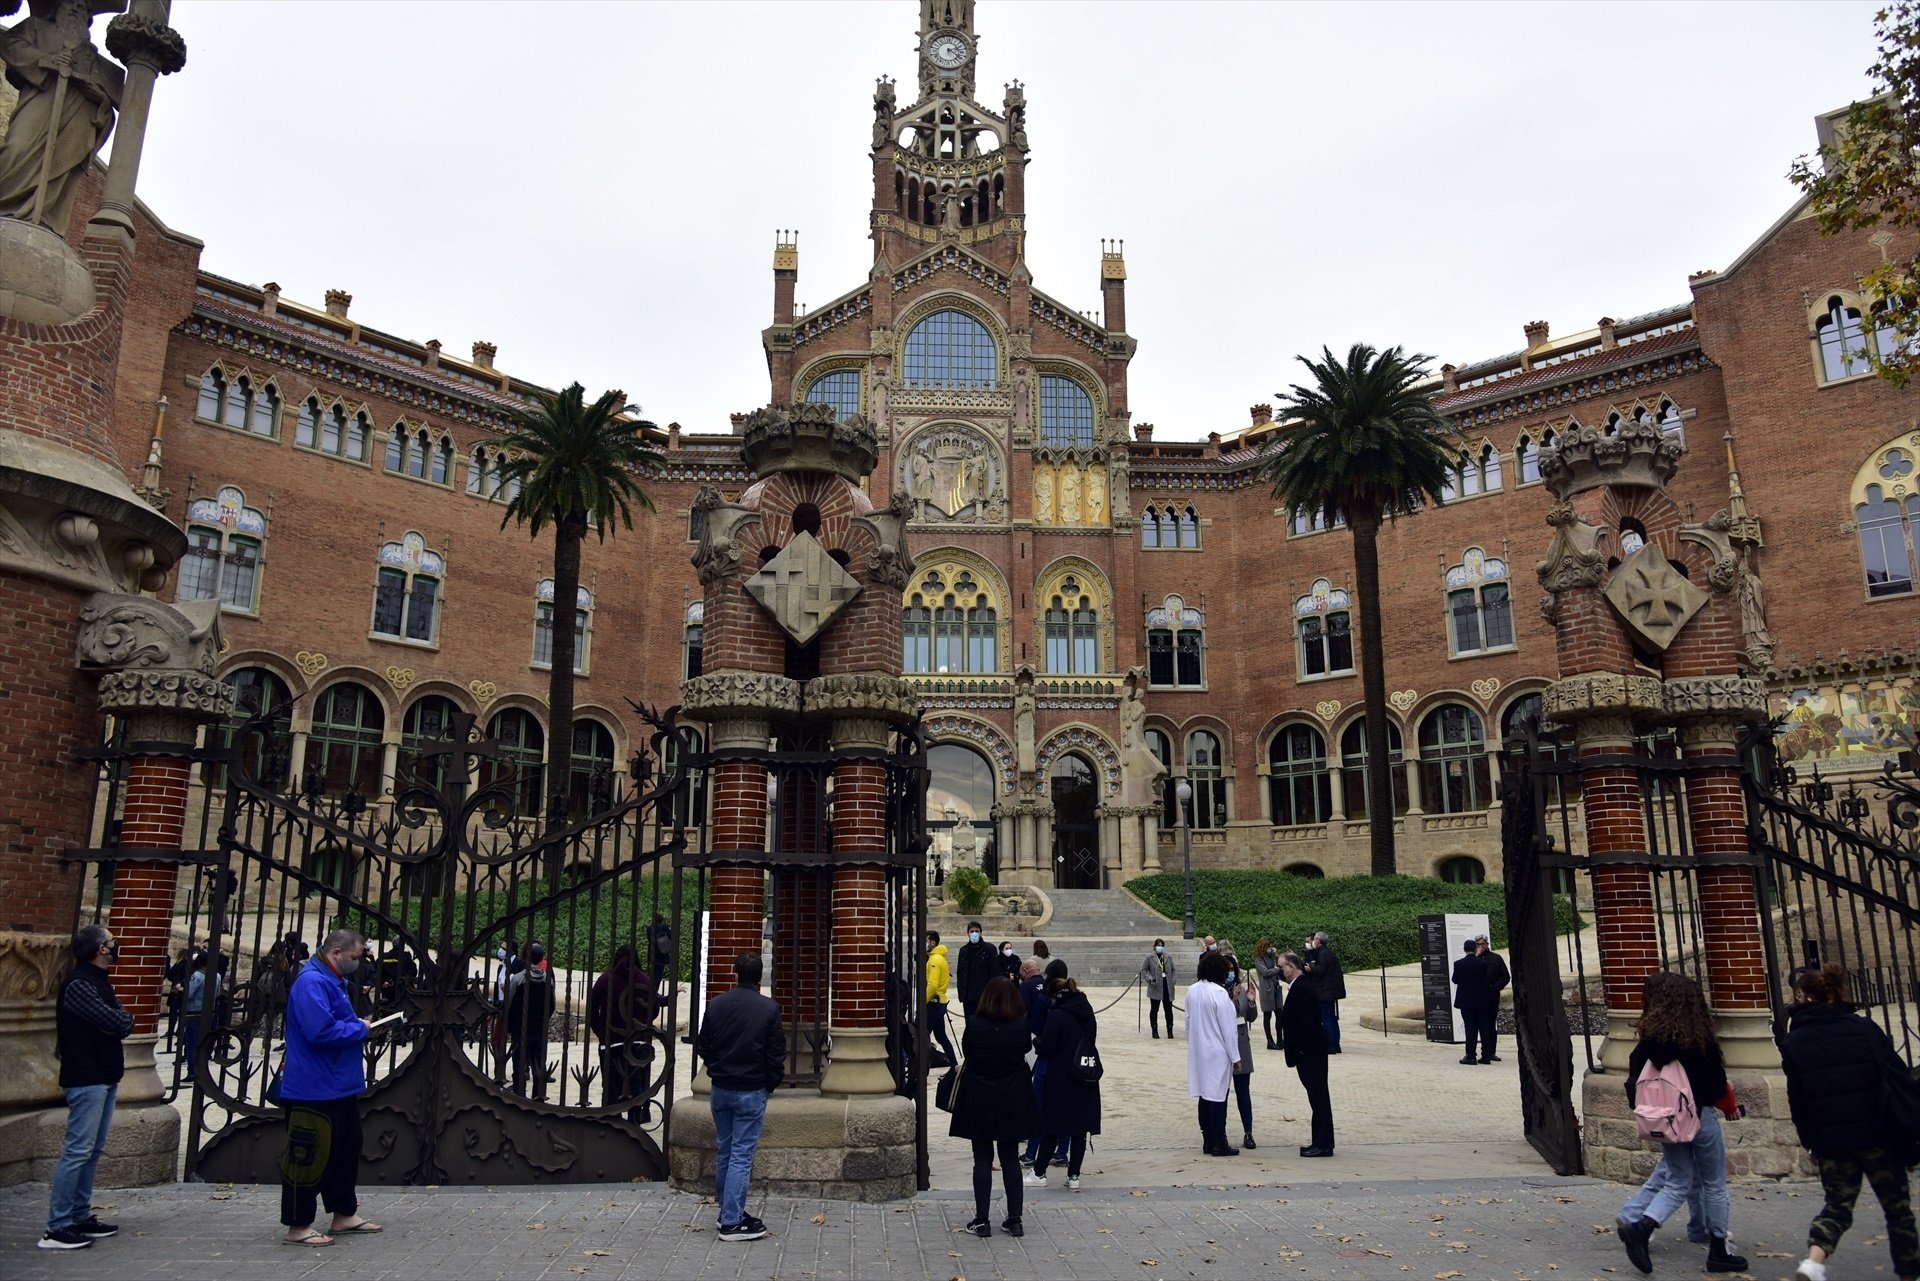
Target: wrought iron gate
(1839,880)
(1530,788)
(503,1067)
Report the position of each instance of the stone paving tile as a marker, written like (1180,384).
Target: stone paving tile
(1527,1229)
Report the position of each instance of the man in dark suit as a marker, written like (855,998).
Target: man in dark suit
(1473,997)
(1304,1038)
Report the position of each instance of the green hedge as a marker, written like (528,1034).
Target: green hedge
(1370,920)
(579,933)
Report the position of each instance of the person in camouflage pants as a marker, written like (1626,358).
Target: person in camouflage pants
(1840,1178)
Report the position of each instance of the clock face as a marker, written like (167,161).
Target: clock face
(947,51)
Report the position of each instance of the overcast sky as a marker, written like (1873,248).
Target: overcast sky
(595,187)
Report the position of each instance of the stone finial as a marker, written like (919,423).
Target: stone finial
(270,298)
(1537,331)
(338,300)
(1607,341)
(1262,415)
(433,353)
(809,437)
(483,354)
(1449,379)
(1635,454)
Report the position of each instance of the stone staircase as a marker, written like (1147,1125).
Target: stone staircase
(1103,935)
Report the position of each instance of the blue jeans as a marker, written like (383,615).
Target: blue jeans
(1694,1173)
(89,1113)
(737,1118)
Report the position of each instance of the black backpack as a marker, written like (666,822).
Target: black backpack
(1087,1068)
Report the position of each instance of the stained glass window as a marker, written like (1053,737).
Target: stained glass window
(950,349)
(1066,413)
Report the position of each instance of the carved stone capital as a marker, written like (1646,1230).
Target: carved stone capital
(1743,698)
(809,437)
(132,38)
(717,695)
(157,661)
(738,731)
(1636,454)
(1715,732)
(32,965)
(1578,698)
(1577,555)
(862,731)
(863,694)
(1603,732)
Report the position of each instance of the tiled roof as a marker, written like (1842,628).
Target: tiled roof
(1618,358)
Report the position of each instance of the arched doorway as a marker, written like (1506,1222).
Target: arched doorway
(1076,824)
(960,811)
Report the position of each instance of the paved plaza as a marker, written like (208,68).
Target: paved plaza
(1432,1180)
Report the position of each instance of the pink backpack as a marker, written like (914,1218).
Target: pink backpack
(1664,1106)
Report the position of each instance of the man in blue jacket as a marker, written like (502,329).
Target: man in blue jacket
(320,1089)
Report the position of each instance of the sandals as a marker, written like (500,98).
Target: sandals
(362,1228)
(313,1239)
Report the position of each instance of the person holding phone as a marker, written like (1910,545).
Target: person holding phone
(320,1091)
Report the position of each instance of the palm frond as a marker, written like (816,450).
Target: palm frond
(574,462)
(1362,437)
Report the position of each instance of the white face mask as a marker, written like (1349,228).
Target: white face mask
(974,937)
(1213,947)
(1006,951)
(1158,950)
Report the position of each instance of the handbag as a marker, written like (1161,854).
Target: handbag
(1900,1110)
(273,1086)
(948,1089)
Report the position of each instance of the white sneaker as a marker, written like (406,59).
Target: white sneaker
(1810,1271)
(1073,1183)
(1032,1180)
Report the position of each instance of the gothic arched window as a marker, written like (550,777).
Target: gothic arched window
(1066,413)
(841,389)
(952,350)
(1298,788)
(1843,346)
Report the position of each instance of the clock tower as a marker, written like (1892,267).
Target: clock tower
(947,48)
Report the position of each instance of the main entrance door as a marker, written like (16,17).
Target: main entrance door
(1076,825)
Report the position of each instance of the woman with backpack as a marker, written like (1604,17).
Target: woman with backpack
(1674,1068)
(993,1101)
(1835,1062)
(1070,1101)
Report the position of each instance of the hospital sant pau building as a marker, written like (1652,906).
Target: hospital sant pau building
(1087,594)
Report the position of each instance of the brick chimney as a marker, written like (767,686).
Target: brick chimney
(269,298)
(1607,341)
(1536,334)
(739,423)
(433,353)
(1143,432)
(338,300)
(1262,415)
(1449,382)
(1213,445)
(483,354)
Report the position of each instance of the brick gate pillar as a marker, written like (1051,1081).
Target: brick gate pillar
(157,664)
(736,882)
(859,1062)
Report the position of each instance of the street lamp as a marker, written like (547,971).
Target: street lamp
(1182,793)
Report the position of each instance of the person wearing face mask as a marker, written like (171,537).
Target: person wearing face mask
(320,1090)
(938,978)
(1213,1051)
(1266,964)
(979,964)
(1240,988)
(1010,962)
(90,1024)
(1156,976)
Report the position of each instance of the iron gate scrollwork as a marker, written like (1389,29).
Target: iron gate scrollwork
(500,1069)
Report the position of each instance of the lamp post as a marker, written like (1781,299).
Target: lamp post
(1182,793)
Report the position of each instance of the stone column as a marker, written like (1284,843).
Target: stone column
(150,49)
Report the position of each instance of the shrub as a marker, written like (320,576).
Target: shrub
(968,887)
(1371,920)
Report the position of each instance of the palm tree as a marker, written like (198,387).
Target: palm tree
(574,466)
(1364,443)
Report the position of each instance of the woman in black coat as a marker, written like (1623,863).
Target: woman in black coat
(993,1103)
(1835,1061)
(1071,1106)
(1304,1038)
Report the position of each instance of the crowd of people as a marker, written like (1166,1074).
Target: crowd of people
(1028,1072)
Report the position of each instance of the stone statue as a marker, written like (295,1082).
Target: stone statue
(1753,615)
(1140,770)
(882,387)
(1043,495)
(1096,496)
(920,478)
(1023,720)
(1022,402)
(1070,495)
(68,93)
(883,114)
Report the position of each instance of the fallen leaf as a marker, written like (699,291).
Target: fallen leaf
(819,1218)
(955,1254)
(1149,1263)
(1456,1245)
(221,1196)
(1436,1218)
(1385,1254)
(1603,1229)
(1448,1275)
(1564,1200)
(1770,1254)
(536,1227)
(598,1254)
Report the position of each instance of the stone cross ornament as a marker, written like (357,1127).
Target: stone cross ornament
(803,588)
(1654,599)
